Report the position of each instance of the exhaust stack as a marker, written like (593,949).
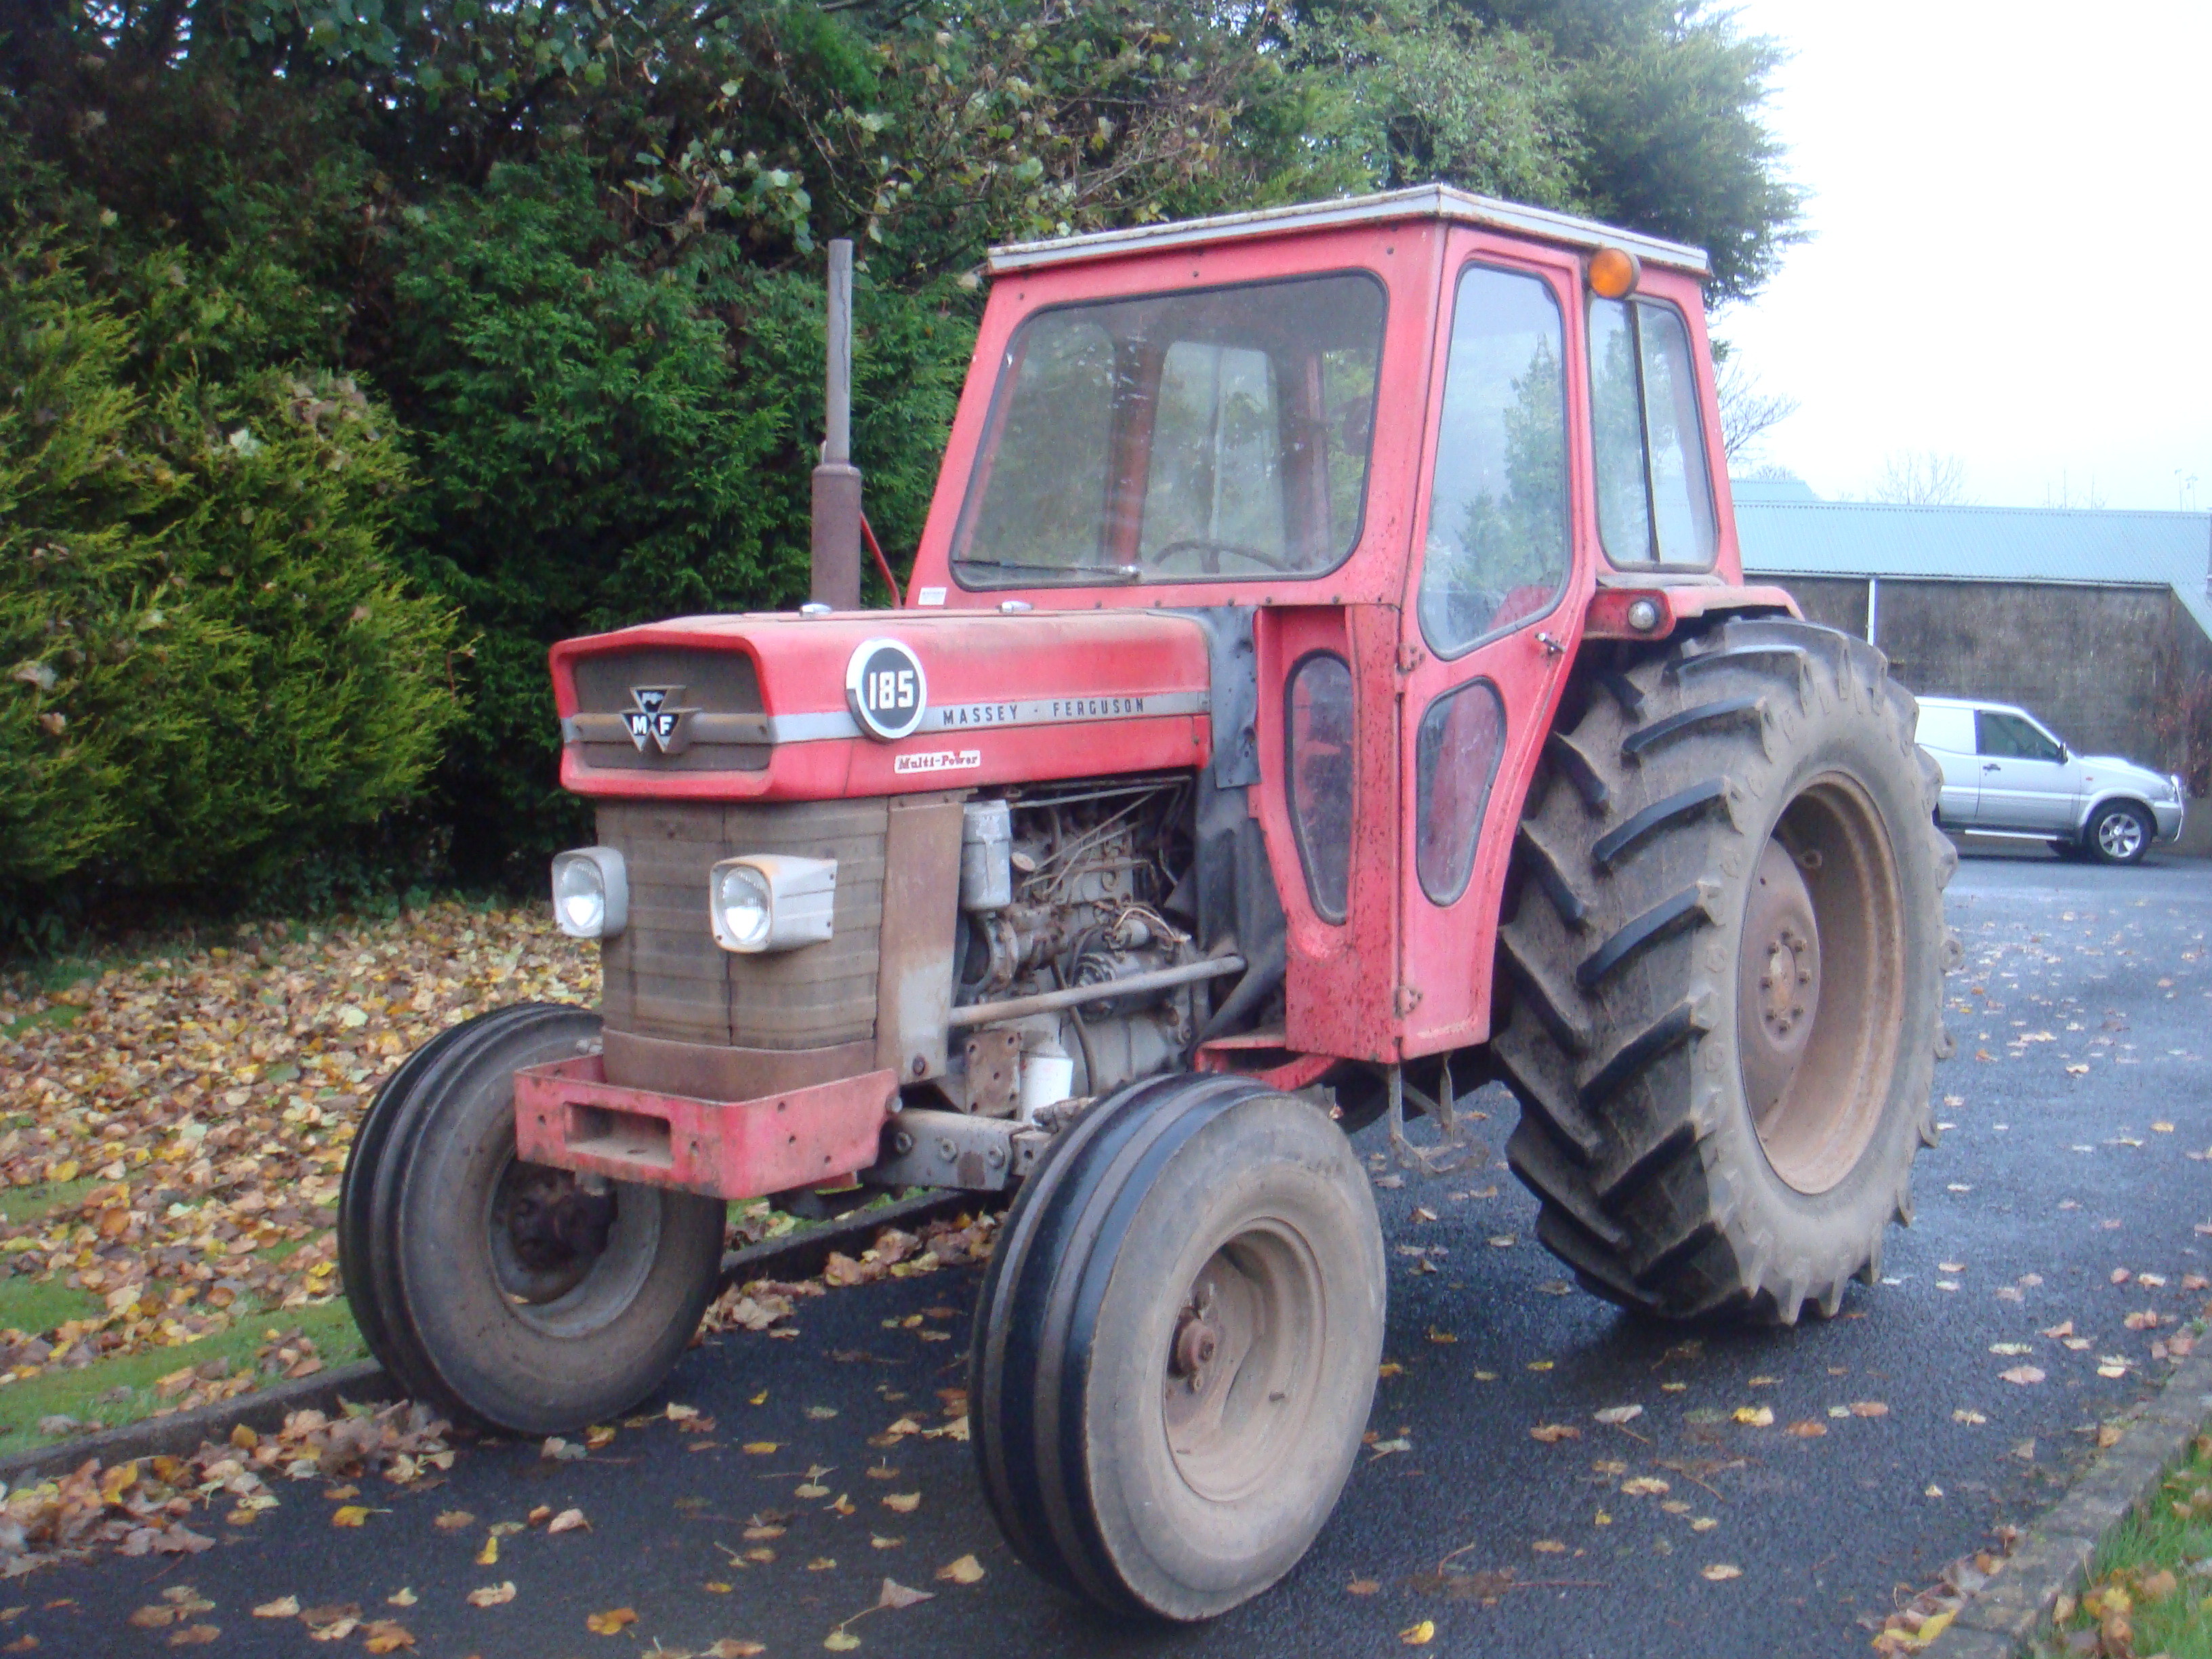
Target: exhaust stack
(836,528)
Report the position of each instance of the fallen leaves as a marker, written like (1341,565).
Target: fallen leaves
(1756,1417)
(1420,1635)
(901,1503)
(2023,1375)
(138,1508)
(613,1622)
(220,1088)
(1806,1429)
(965,1570)
(1613,1416)
(1720,1572)
(568,1521)
(1551,1434)
(493,1595)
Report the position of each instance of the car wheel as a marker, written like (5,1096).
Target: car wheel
(2120,834)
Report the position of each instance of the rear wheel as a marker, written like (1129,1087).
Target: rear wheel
(1724,974)
(507,1291)
(1177,1344)
(2120,833)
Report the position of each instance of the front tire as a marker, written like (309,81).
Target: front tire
(1175,1348)
(499,1290)
(1724,973)
(2121,833)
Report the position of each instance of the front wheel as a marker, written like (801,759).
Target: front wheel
(2120,833)
(505,1290)
(1177,1344)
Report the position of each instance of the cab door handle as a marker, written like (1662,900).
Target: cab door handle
(1991,766)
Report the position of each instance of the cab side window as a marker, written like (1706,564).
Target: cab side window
(1497,552)
(2013,738)
(1655,503)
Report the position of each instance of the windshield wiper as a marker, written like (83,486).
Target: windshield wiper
(1120,573)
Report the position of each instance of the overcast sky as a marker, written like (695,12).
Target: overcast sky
(2011,251)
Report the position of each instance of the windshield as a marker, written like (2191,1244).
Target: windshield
(1178,437)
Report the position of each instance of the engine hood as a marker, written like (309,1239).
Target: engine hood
(857,703)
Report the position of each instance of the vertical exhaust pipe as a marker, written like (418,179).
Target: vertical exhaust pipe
(836,528)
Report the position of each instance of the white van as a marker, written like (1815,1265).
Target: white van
(2006,773)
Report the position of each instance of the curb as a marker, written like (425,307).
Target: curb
(363,1381)
(2053,1558)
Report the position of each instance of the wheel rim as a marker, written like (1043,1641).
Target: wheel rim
(1243,1367)
(567,1261)
(2119,835)
(1819,994)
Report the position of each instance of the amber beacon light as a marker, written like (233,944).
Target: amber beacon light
(1614,273)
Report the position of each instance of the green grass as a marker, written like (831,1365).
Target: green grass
(2144,1555)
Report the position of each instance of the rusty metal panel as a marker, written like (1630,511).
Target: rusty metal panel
(567,1115)
(665,978)
(913,985)
(718,1070)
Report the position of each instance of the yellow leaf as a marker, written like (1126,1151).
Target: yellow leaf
(405,1598)
(1721,1571)
(493,1595)
(1389,1367)
(1420,1635)
(904,1503)
(760,1448)
(489,1555)
(966,1571)
(349,1515)
(841,1640)
(1758,1416)
(1935,1627)
(731,1647)
(716,1587)
(612,1622)
(284,1607)
(568,1521)
(1549,1546)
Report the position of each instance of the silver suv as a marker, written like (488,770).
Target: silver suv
(2005,774)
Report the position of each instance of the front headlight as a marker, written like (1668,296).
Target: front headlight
(771,902)
(591,892)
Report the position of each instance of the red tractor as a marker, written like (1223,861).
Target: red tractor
(1327,685)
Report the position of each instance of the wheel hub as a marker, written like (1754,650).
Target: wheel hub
(1780,982)
(548,1231)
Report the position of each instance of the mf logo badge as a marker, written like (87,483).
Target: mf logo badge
(885,688)
(656,723)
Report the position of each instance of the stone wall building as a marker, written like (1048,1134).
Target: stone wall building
(2098,623)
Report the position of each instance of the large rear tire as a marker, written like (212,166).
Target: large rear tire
(1175,1347)
(1724,968)
(499,1290)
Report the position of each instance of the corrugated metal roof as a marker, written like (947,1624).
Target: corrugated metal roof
(1801,538)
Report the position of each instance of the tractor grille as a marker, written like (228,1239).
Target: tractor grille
(711,682)
(665,978)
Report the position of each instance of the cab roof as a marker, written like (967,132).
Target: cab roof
(1421,201)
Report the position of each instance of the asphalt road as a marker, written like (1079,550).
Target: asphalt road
(2078,1095)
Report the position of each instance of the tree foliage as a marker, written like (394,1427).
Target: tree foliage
(566,252)
(212,664)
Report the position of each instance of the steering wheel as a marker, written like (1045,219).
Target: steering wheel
(1200,545)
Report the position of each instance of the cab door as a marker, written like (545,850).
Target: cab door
(1492,601)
